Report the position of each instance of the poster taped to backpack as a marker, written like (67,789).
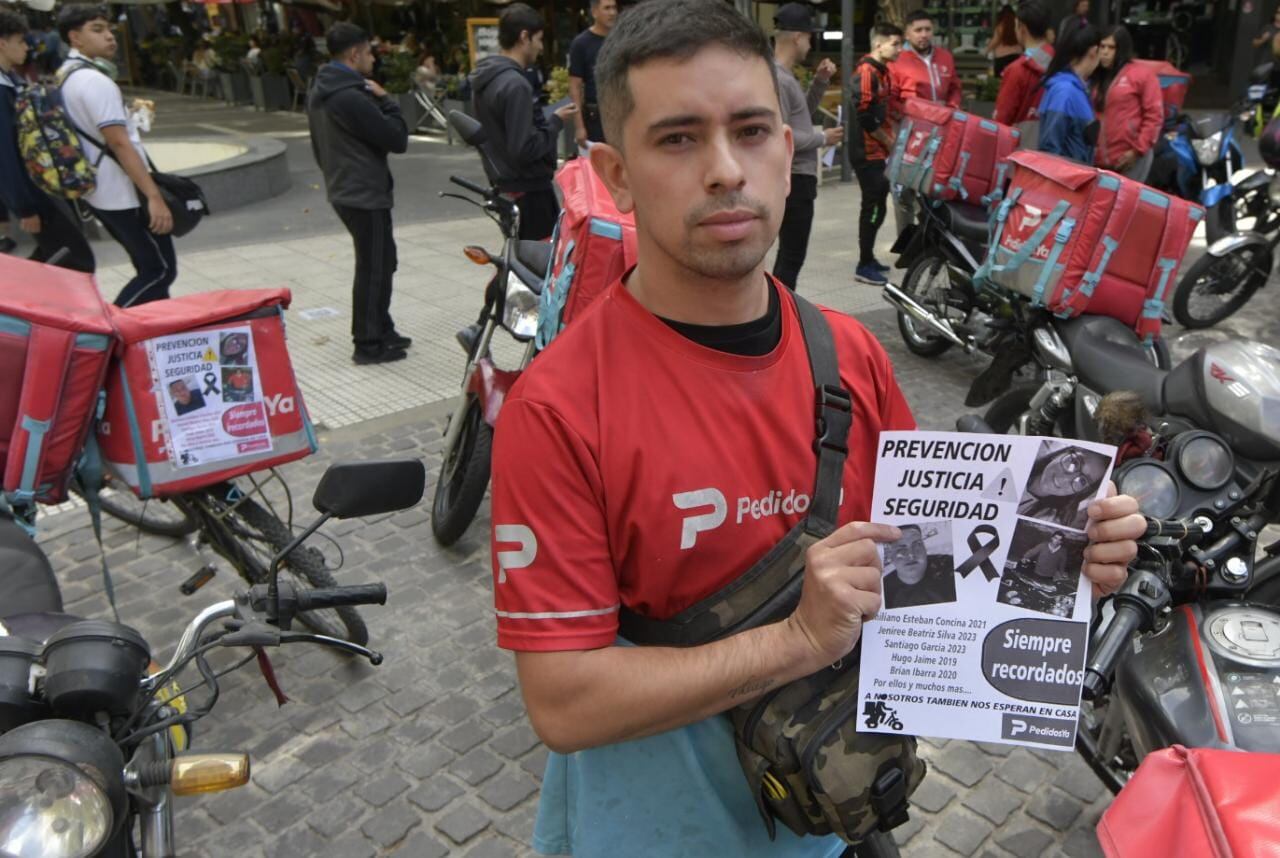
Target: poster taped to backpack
(985,620)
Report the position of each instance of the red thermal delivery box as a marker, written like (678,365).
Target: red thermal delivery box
(948,154)
(203,392)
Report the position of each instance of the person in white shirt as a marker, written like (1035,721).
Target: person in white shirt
(126,201)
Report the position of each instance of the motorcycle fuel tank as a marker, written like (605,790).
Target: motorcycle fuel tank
(1233,388)
(1210,679)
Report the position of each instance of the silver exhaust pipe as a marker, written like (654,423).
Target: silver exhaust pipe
(908,305)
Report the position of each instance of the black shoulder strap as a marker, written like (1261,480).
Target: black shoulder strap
(103,149)
(771,586)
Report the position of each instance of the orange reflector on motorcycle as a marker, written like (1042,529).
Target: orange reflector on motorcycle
(197,773)
(478,255)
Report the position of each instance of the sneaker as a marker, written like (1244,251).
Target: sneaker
(380,353)
(881,267)
(396,340)
(869,274)
(467,337)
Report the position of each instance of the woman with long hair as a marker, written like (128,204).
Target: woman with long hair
(1004,47)
(1068,125)
(1126,95)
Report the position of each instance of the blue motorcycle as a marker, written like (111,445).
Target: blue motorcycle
(1199,157)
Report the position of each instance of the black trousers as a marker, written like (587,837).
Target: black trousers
(60,228)
(155,262)
(538,213)
(595,127)
(875,199)
(375,266)
(797,223)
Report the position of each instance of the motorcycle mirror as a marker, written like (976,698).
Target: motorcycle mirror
(471,131)
(359,489)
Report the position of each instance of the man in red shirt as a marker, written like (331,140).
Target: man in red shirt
(664,442)
(1019,99)
(923,69)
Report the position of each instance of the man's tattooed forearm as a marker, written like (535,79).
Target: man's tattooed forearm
(751,686)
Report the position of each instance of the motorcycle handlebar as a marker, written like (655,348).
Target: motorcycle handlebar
(1102,661)
(337,597)
(469,185)
(1178,529)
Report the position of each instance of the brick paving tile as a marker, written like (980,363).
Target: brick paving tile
(390,824)
(963,832)
(463,822)
(435,794)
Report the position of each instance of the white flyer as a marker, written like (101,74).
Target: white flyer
(209,395)
(984,629)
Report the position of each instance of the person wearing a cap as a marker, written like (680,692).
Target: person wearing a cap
(791,44)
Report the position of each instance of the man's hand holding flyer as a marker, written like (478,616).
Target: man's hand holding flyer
(984,629)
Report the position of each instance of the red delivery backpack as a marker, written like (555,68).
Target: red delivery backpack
(947,154)
(595,244)
(1174,84)
(56,340)
(203,392)
(1077,239)
(1196,803)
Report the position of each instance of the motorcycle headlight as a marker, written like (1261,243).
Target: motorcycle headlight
(1154,488)
(520,312)
(61,790)
(1205,460)
(1207,150)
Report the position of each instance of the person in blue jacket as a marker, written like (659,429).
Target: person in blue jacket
(47,220)
(1068,126)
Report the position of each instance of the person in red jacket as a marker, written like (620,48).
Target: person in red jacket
(1127,97)
(1019,99)
(923,69)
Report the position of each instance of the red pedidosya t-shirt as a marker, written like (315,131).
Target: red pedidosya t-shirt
(633,466)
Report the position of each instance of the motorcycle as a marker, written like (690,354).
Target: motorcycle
(1187,653)
(1206,155)
(940,306)
(93,744)
(511,302)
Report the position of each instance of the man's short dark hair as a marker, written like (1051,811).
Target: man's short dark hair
(884,32)
(12,23)
(1035,16)
(342,37)
(76,15)
(516,19)
(669,29)
(918,15)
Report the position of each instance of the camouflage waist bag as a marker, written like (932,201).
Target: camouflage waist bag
(804,760)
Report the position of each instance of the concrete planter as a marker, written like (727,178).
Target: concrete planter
(410,109)
(235,87)
(270,92)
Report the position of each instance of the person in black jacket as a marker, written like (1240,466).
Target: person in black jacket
(44,217)
(354,125)
(521,142)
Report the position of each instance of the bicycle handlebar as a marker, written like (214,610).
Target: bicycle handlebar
(336,597)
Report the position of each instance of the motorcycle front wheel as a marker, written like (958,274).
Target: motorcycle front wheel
(464,476)
(1217,286)
(927,282)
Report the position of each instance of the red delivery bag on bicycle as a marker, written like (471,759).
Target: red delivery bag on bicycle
(1076,239)
(594,244)
(56,340)
(203,392)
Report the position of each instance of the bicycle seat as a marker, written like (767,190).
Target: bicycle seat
(1108,357)
(27,584)
(534,255)
(968,222)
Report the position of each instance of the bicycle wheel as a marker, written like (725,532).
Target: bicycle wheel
(158,516)
(249,535)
